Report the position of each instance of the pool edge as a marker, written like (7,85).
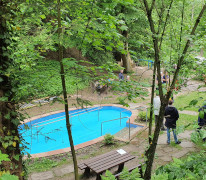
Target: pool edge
(85,144)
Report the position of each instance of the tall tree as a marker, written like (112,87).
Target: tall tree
(9,117)
(156,36)
(62,73)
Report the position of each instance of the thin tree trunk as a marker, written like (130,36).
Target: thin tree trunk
(164,100)
(151,105)
(68,125)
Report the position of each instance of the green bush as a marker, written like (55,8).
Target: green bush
(108,139)
(142,115)
(191,168)
(142,63)
(44,80)
(5,175)
(198,136)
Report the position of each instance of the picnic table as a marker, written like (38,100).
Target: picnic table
(100,164)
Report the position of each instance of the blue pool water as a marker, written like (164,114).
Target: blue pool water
(49,133)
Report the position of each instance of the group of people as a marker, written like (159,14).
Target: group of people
(171,115)
(164,78)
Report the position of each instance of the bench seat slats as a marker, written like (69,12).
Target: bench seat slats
(102,167)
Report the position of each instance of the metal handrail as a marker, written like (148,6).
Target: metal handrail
(63,119)
(121,114)
(111,120)
(62,116)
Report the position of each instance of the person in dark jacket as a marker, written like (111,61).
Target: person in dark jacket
(202,115)
(121,76)
(202,119)
(171,115)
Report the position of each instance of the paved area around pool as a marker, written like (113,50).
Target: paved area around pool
(164,154)
(133,109)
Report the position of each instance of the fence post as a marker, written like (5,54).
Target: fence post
(129,128)
(146,116)
(101,129)
(120,117)
(98,114)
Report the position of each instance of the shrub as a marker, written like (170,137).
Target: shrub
(198,137)
(142,115)
(191,168)
(108,139)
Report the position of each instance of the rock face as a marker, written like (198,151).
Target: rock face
(68,53)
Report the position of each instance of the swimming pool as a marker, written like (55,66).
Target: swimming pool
(49,133)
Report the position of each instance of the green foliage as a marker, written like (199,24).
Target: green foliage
(8,176)
(143,115)
(100,57)
(193,167)
(3,157)
(134,175)
(3,174)
(43,80)
(108,139)
(142,63)
(162,176)
(194,99)
(198,136)
(43,164)
(186,121)
(108,176)
(125,175)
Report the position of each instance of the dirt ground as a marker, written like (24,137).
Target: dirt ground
(140,73)
(137,144)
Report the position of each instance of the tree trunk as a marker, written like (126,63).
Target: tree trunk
(126,59)
(164,99)
(68,125)
(9,120)
(151,105)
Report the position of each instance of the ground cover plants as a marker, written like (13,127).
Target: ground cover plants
(192,167)
(43,80)
(190,101)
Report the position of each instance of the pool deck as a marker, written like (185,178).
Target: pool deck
(88,143)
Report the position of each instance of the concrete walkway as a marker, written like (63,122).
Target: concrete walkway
(164,155)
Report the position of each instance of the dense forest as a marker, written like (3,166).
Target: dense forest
(56,48)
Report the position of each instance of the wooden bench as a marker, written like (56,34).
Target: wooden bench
(104,162)
(139,166)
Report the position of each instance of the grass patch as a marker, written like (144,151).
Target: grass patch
(186,119)
(42,164)
(175,145)
(183,101)
(44,80)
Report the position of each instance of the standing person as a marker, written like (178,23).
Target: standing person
(202,119)
(156,105)
(128,78)
(165,78)
(171,115)
(121,76)
(202,116)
